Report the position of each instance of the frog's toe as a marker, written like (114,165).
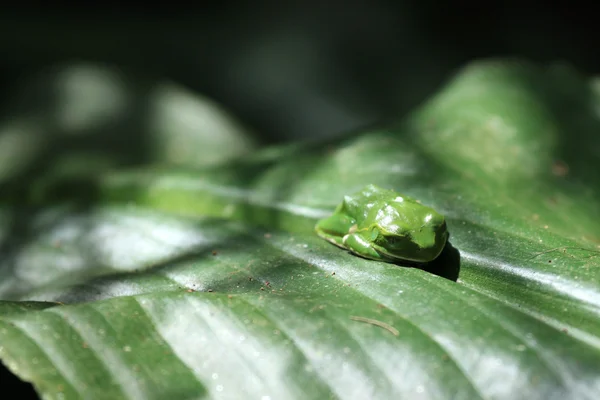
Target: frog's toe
(336,240)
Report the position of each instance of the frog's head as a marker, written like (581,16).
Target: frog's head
(418,236)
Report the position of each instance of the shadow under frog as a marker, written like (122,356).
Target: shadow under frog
(446,265)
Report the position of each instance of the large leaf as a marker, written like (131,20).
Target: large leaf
(210,282)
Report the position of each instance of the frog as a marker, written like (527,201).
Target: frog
(383,225)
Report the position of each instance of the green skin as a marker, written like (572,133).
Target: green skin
(380,224)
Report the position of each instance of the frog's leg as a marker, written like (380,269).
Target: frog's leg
(334,228)
(358,245)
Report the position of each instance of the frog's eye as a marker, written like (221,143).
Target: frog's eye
(392,241)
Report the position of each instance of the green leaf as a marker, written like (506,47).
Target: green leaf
(210,282)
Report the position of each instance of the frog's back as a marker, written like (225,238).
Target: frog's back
(362,204)
(397,214)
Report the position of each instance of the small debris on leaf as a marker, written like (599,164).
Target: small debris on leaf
(560,168)
(375,322)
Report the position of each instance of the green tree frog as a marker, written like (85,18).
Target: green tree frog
(380,224)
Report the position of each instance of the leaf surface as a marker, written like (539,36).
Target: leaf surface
(209,282)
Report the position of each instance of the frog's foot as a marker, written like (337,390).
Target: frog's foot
(337,240)
(334,228)
(359,246)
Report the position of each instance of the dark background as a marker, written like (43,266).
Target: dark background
(297,69)
(302,68)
